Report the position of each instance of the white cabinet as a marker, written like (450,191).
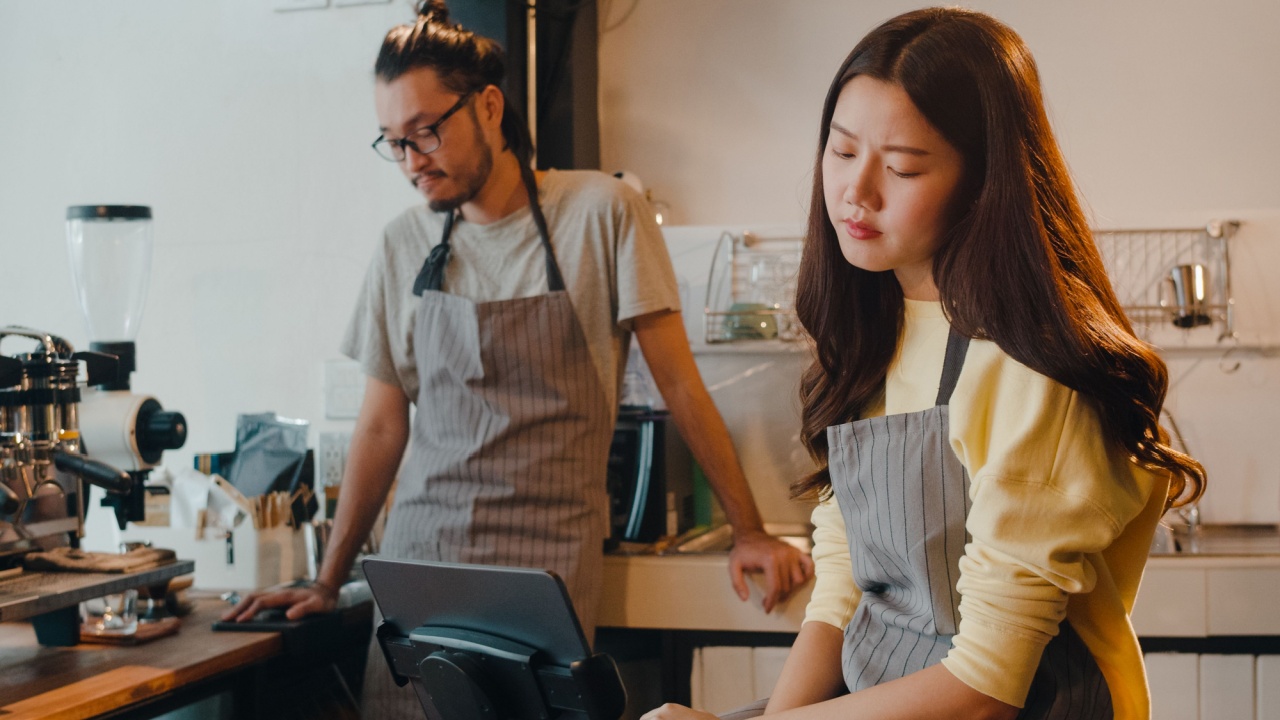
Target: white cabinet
(1214,687)
(1226,686)
(1242,601)
(727,678)
(1267,684)
(1174,679)
(1172,603)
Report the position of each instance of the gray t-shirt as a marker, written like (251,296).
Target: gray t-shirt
(610,250)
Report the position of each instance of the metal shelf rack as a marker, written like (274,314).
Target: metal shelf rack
(1140,263)
(751,289)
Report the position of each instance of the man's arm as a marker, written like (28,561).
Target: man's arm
(377,445)
(666,349)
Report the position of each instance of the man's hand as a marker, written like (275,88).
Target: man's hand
(300,601)
(785,568)
(672,711)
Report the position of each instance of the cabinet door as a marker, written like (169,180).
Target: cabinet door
(1171,603)
(1268,687)
(1226,686)
(1174,679)
(1242,601)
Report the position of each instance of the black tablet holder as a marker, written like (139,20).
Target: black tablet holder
(470,675)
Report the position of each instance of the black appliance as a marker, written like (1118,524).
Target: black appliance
(650,478)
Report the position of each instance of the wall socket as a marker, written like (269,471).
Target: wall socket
(343,389)
(331,460)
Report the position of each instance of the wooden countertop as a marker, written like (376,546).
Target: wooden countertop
(90,679)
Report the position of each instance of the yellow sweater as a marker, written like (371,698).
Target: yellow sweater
(1061,521)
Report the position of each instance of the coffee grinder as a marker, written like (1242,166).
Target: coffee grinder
(110,252)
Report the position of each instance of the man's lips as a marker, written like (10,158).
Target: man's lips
(860,231)
(427,178)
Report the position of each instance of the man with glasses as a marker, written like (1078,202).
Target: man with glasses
(503,311)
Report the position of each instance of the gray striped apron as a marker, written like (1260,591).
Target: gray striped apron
(509,449)
(905,497)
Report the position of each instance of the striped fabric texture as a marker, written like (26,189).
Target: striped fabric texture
(905,498)
(508,457)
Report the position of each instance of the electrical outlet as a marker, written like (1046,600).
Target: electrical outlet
(343,389)
(288,5)
(331,461)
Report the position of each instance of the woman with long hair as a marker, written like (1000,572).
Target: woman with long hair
(985,421)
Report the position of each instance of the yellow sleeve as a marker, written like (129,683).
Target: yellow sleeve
(1049,494)
(835,596)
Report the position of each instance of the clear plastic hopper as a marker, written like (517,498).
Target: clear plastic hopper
(110,251)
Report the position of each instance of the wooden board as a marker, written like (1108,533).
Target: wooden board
(88,680)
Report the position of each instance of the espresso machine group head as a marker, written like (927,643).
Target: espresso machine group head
(42,458)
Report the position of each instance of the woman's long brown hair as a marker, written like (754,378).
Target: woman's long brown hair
(1019,267)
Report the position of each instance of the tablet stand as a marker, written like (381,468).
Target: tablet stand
(470,675)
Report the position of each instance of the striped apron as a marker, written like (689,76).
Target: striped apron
(905,497)
(510,444)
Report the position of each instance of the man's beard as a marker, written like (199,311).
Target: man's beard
(471,182)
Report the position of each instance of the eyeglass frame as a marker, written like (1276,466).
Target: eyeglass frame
(402,144)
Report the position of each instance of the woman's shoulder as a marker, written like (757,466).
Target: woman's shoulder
(991,371)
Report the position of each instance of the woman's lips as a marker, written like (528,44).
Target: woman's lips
(860,231)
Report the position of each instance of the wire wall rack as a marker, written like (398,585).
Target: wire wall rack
(751,289)
(1176,278)
(1174,284)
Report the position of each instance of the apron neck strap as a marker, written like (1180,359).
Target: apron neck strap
(957,346)
(431,276)
(555,281)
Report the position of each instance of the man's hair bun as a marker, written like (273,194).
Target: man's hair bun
(435,11)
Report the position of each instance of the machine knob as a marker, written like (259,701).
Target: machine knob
(159,430)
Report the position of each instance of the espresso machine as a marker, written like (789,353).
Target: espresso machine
(69,420)
(42,460)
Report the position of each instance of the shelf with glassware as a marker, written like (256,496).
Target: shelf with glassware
(751,291)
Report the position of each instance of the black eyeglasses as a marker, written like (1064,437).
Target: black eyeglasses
(424,140)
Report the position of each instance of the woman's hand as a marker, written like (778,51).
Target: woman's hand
(672,711)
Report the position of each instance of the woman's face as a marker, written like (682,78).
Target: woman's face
(888,178)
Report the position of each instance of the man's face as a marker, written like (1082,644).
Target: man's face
(456,171)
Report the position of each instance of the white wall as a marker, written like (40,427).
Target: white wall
(247,131)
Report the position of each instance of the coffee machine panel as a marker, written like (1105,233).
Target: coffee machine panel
(42,459)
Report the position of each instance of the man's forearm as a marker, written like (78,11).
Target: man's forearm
(708,439)
(666,348)
(371,469)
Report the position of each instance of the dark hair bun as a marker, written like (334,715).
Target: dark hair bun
(435,11)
